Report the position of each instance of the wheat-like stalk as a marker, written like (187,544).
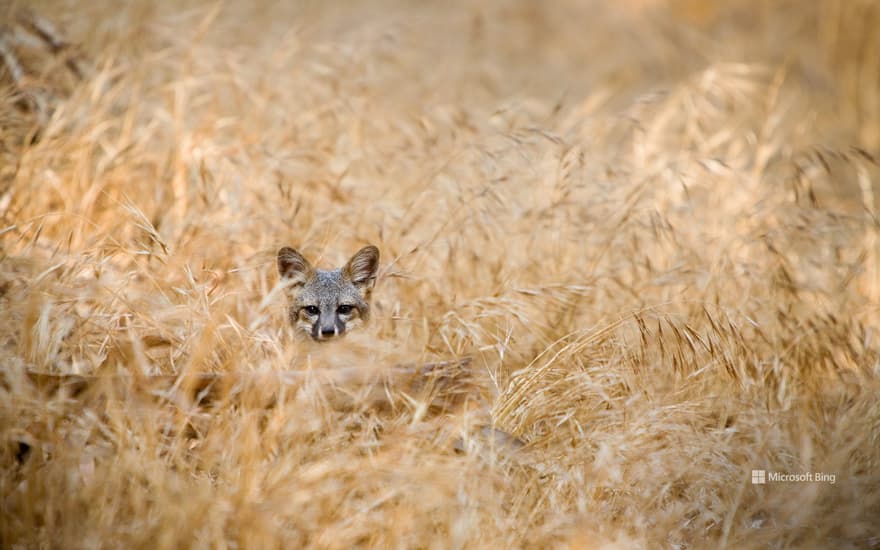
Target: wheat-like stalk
(629,255)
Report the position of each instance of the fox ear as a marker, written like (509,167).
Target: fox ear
(292,266)
(362,267)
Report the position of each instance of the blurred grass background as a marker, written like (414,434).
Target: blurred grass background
(652,225)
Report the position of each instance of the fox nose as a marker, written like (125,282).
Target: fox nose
(328,332)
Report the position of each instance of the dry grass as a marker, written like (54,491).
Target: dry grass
(652,227)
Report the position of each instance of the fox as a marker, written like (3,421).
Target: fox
(326,304)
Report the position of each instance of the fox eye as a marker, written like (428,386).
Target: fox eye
(312,310)
(344,309)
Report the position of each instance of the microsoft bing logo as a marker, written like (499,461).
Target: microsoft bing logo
(761,477)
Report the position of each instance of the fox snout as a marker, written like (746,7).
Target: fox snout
(326,304)
(330,324)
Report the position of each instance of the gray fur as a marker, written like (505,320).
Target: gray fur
(331,292)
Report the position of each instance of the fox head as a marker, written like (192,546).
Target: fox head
(327,304)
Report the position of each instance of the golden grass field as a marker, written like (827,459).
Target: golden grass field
(651,226)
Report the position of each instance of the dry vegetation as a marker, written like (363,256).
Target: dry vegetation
(650,226)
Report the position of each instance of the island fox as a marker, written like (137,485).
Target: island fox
(327,304)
